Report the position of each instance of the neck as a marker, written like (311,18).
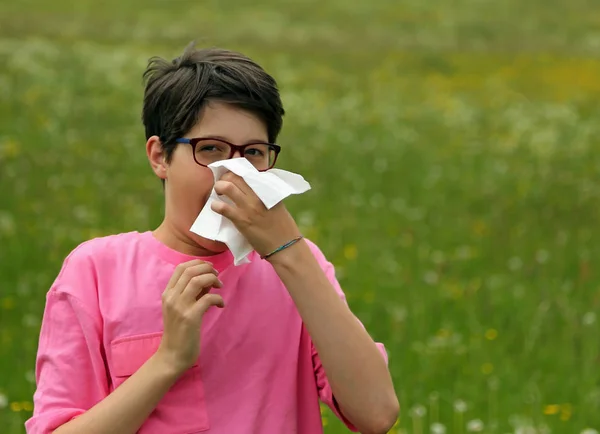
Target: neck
(170,236)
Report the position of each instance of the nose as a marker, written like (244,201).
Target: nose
(237,153)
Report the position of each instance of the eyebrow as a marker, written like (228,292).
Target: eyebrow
(225,139)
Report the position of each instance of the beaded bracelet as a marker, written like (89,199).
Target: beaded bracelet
(280,248)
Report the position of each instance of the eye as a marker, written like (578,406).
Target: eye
(210,148)
(257,151)
(207,148)
(254,152)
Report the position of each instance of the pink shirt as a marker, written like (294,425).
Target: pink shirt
(258,371)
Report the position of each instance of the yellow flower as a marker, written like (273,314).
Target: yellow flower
(32,95)
(323,409)
(350,252)
(16,406)
(487,368)
(457,292)
(444,333)
(491,334)
(552,409)
(406,239)
(27,406)
(10,149)
(479,228)
(565,412)
(474,285)
(369,296)
(8,303)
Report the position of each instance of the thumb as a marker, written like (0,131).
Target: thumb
(207,301)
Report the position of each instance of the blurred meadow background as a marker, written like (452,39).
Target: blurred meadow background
(452,146)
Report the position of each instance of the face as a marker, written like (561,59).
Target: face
(187,184)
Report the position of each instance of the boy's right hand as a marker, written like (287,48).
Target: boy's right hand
(184,302)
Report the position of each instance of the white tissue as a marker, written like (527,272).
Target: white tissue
(271,187)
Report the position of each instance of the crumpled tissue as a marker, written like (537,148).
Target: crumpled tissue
(271,186)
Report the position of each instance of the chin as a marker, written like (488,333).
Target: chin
(213,246)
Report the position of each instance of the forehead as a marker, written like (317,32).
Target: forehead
(229,122)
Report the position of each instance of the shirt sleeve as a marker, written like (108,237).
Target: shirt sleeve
(323,386)
(69,369)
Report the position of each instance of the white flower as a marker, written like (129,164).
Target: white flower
(460,406)
(475,425)
(589,431)
(3,401)
(418,411)
(434,396)
(464,252)
(525,430)
(438,257)
(541,256)
(589,318)
(430,277)
(30,376)
(438,428)
(380,165)
(515,263)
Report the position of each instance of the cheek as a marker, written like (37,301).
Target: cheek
(202,187)
(190,187)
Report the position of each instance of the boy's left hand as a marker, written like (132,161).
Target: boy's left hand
(264,229)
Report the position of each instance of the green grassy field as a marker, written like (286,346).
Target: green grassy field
(453,151)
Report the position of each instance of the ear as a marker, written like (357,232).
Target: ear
(156,157)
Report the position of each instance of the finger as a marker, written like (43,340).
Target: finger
(239,182)
(205,290)
(250,197)
(192,272)
(232,191)
(179,270)
(201,283)
(207,301)
(225,210)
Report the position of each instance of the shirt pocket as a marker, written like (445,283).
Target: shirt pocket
(182,410)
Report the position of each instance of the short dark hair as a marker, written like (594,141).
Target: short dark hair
(177,91)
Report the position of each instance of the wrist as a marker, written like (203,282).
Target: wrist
(167,366)
(290,256)
(281,245)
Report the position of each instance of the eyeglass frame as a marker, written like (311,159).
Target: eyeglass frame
(234,148)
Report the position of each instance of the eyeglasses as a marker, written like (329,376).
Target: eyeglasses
(209,150)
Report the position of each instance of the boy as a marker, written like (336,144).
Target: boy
(158,332)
